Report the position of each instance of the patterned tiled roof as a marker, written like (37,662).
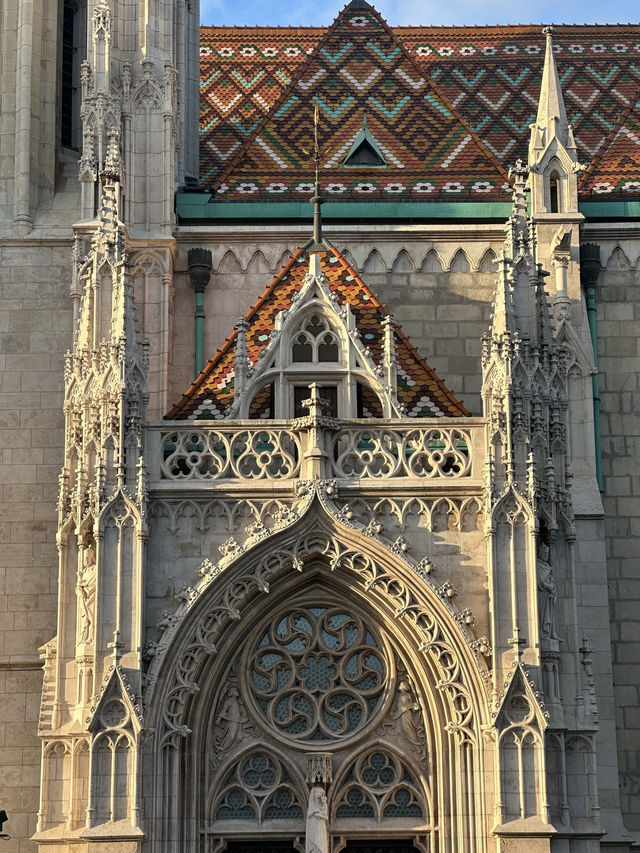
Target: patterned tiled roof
(483,82)
(420,390)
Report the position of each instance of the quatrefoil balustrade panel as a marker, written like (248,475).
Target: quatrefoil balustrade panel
(358,452)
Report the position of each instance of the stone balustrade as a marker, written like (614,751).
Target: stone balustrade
(366,452)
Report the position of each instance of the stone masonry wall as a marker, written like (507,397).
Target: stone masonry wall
(618,315)
(35,332)
(441,294)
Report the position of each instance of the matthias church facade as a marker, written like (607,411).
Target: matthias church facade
(270,582)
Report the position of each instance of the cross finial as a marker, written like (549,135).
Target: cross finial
(518,643)
(115,646)
(317,244)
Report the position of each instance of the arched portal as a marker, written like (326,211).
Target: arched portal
(314,668)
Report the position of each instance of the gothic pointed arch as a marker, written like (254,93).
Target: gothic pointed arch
(318,639)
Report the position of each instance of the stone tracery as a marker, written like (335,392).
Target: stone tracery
(317,674)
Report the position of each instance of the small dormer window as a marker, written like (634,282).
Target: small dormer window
(315,342)
(365,152)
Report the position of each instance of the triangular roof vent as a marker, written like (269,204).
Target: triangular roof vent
(365,151)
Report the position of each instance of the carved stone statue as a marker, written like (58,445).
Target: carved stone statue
(85,591)
(228,721)
(406,721)
(408,715)
(317,839)
(547,595)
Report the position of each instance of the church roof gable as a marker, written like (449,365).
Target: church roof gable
(359,67)
(490,75)
(419,389)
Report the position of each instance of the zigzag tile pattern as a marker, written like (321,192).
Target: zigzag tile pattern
(243,72)
(617,171)
(420,389)
(490,77)
(359,68)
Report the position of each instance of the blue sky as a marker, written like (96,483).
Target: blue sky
(427,12)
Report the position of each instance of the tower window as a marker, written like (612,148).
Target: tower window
(554,193)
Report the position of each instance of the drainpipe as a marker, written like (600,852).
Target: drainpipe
(200,263)
(589,271)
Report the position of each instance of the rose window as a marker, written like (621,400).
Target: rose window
(317,674)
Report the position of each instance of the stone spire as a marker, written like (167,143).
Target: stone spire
(551,120)
(553,158)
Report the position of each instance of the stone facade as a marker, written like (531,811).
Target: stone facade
(473,704)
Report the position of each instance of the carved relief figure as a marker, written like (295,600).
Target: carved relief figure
(547,595)
(408,715)
(317,839)
(229,721)
(85,590)
(405,720)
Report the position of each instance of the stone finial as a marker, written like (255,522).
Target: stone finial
(241,366)
(200,265)
(519,172)
(389,358)
(113,160)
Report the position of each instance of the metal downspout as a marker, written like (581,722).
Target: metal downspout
(200,263)
(589,271)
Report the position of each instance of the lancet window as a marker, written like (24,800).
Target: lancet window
(315,342)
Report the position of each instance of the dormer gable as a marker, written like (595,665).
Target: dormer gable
(317,321)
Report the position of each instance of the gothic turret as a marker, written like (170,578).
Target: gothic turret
(553,158)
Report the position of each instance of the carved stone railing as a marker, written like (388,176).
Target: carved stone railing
(400,452)
(374,451)
(229,453)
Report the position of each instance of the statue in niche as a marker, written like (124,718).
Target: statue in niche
(85,591)
(547,595)
(229,720)
(405,718)
(408,715)
(317,837)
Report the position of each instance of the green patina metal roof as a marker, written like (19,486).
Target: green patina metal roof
(203,207)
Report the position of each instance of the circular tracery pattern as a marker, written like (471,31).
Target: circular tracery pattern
(317,674)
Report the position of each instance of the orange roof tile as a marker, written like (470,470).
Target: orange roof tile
(420,389)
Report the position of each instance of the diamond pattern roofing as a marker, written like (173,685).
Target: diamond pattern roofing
(449,107)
